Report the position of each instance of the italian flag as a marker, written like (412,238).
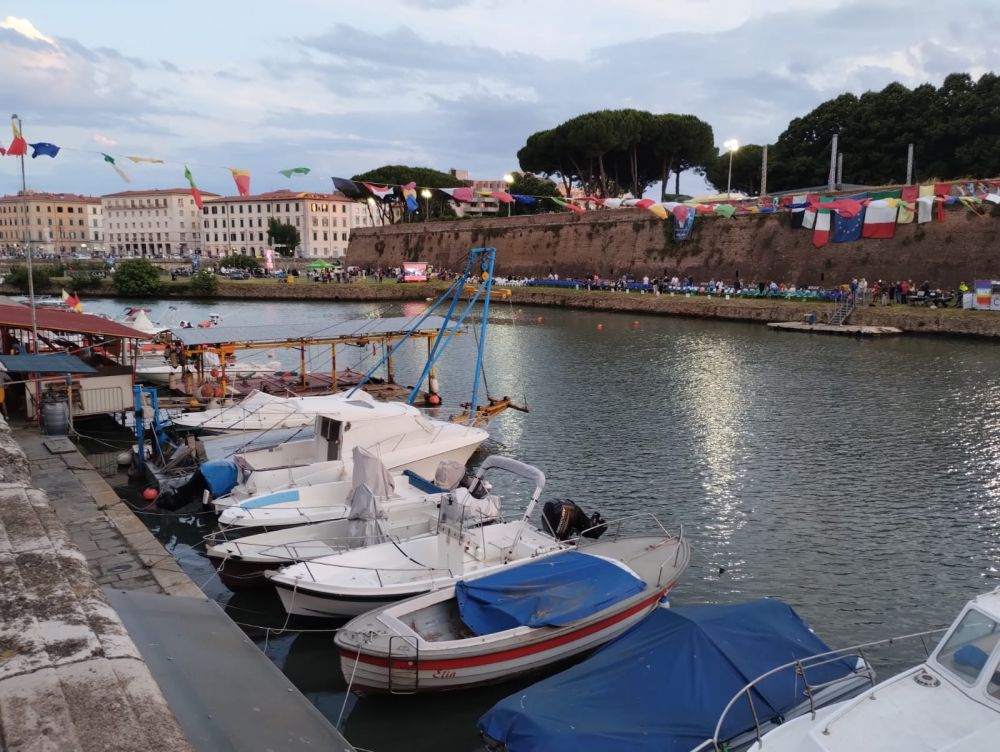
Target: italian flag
(821,230)
(195,193)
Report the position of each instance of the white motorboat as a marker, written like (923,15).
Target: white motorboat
(523,618)
(397,433)
(950,702)
(356,581)
(404,507)
(257,412)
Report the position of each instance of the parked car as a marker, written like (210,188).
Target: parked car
(239,274)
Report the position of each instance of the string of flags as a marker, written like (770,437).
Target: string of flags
(835,219)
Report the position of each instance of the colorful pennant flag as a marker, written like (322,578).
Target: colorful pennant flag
(658,211)
(380,192)
(347,187)
(728,210)
(907,212)
(72,301)
(42,149)
(503,197)
(18,147)
(410,196)
(458,194)
(521,199)
(150,160)
(880,220)
(644,203)
(195,193)
(121,173)
(242,180)
(295,171)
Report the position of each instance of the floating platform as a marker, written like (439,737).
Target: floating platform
(844,329)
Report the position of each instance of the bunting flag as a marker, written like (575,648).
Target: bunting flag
(566,205)
(880,219)
(848,229)
(683,222)
(942,189)
(907,211)
(910,193)
(410,196)
(347,187)
(522,199)
(150,160)
(924,206)
(458,194)
(644,203)
(121,173)
(938,209)
(503,197)
(195,193)
(381,192)
(925,190)
(727,211)
(658,211)
(42,149)
(295,171)
(72,301)
(612,203)
(18,147)
(242,180)
(3,151)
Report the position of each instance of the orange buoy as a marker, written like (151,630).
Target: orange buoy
(600,326)
(539,319)
(635,324)
(204,324)
(433,399)
(150,493)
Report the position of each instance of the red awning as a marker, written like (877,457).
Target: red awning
(65,322)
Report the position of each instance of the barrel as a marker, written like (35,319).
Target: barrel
(55,417)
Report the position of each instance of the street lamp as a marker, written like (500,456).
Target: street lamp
(427,202)
(731,146)
(509,180)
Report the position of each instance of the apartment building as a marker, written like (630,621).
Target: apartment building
(58,224)
(480,206)
(153,223)
(238,224)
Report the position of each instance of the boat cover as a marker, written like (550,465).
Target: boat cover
(550,592)
(663,684)
(220,476)
(370,482)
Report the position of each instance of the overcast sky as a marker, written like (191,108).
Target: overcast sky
(342,87)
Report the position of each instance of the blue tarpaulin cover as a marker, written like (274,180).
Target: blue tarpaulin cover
(663,684)
(220,476)
(554,591)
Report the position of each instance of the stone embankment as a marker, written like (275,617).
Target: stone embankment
(70,676)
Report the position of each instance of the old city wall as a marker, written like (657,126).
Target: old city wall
(756,247)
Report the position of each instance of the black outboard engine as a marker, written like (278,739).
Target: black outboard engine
(565,519)
(479,489)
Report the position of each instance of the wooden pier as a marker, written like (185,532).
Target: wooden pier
(842,329)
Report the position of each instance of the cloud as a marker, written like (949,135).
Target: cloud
(103,140)
(26,29)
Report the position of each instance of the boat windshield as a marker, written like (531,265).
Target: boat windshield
(968,648)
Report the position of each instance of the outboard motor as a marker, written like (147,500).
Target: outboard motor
(565,519)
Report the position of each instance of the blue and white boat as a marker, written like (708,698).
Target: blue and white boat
(663,685)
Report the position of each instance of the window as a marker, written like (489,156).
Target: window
(314,236)
(325,236)
(968,648)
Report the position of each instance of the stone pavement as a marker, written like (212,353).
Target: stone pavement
(120,550)
(71,678)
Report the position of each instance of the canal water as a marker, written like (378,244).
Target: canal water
(858,480)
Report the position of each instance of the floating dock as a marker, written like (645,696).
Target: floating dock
(843,329)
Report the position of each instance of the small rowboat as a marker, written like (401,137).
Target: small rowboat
(524,618)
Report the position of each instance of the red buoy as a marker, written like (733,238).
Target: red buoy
(600,326)
(149,494)
(635,324)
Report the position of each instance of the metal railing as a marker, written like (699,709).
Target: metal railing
(800,668)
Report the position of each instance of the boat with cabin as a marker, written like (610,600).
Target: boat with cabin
(521,619)
(949,702)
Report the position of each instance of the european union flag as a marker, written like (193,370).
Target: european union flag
(847,229)
(525,199)
(42,149)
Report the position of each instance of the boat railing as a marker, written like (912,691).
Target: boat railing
(378,571)
(618,523)
(799,669)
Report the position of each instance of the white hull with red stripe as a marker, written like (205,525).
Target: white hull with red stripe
(421,645)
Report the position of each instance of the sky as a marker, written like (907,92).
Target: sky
(343,87)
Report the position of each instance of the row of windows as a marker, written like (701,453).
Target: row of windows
(118,225)
(139,203)
(38,221)
(142,236)
(19,209)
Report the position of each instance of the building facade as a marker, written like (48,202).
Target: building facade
(153,223)
(57,224)
(238,224)
(480,206)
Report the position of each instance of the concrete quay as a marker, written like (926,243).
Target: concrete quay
(71,678)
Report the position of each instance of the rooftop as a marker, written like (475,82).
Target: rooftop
(19,317)
(283,195)
(158,192)
(74,198)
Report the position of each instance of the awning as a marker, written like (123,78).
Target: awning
(553,592)
(42,363)
(68,322)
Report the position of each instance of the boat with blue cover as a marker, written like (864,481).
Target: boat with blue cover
(662,685)
(520,619)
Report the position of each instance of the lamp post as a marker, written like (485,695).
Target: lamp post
(731,146)
(509,180)
(427,202)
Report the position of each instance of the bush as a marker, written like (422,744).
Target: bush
(203,283)
(239,261)
(136,277)
(18,277)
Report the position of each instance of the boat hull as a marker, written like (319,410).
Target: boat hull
(299,602)
(443,670)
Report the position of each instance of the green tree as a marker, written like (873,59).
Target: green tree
(284,238)
(18,277)
(746,170)
(240,261)
(204,284)
(136,277)
(526,184)
(392,208)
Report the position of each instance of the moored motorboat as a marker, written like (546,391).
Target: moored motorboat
(950,702)
(353,582)
(661,686)
(521,619)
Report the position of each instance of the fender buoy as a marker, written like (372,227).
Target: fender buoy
(600,327)
(433,399)
(215,373)
(149,494)
(207,390)
(204,324)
